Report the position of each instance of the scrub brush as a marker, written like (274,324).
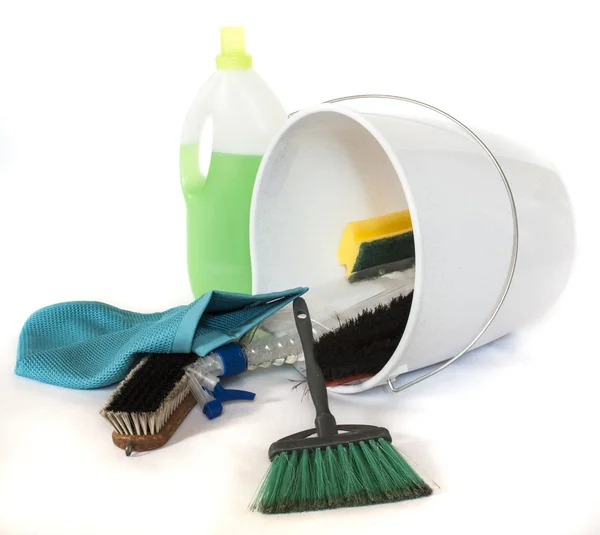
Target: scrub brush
(361,346)
(151,402)
(352,342)
(377,245)
(357,348)
(342,466)
(157,395)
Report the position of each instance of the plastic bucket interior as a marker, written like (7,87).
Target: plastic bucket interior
(332,164)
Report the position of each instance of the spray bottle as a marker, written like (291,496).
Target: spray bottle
(276,340)
(245,116)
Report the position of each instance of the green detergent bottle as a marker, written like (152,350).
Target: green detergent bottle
(245,116)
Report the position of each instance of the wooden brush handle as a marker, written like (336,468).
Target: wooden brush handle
(131,443)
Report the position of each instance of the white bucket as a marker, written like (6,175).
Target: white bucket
(332,165)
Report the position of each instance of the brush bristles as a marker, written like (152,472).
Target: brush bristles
(364,343)
(352,475)
(146,423)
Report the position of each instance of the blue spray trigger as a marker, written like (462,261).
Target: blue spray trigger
(227,394)
(212,409)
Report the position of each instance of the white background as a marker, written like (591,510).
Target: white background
(92,99)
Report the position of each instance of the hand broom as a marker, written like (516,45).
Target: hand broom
(342,466)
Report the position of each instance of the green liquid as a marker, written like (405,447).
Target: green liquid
(218,220)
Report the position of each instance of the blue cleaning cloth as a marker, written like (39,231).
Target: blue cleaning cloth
(87,344)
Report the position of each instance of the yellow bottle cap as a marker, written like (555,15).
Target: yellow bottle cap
(233,54)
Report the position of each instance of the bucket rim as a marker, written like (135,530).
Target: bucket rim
(393,367)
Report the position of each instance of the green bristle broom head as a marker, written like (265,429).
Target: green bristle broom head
(361,473)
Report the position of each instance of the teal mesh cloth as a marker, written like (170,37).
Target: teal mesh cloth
(87,344)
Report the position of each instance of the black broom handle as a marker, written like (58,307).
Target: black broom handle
(325,423)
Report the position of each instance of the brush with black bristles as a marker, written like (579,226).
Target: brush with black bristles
(361,346)
(353,343)
(333,465)
(151,402)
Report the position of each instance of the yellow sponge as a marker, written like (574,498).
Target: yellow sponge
(376,241)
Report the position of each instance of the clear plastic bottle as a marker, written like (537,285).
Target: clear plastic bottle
(245,115)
